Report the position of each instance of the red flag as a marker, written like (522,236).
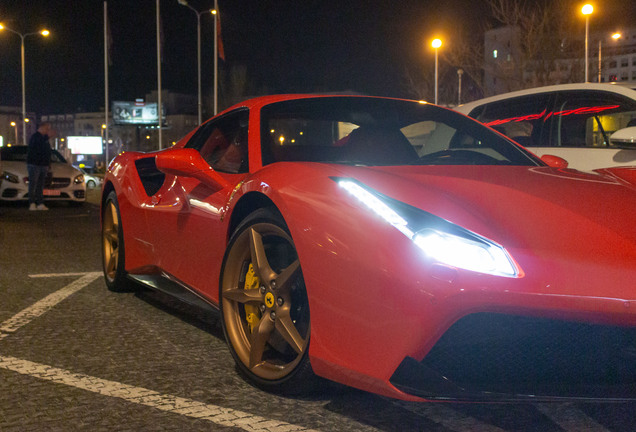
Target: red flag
(219,40)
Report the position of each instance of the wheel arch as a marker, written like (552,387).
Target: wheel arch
(246,205)
(106,190)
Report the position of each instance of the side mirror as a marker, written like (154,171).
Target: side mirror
(554,161)
(189,163)
(624,138)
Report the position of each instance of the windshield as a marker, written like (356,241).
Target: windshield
(375,131)
(19,154)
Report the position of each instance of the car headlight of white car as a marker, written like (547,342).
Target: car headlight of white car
(11,178)
(79,179)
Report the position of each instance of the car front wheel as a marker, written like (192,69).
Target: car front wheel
(264,305)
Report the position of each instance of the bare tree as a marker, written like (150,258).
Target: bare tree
(540,37)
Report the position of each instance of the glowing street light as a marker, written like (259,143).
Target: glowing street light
(587,11)
(436,44)
(44,33)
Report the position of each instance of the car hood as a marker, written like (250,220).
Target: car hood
(542,211)
(58,169)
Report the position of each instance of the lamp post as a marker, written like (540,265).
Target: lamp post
(615,36)
(22,37)
(436,44)
(217,17)
(198,14)
(587,11)
(459,86)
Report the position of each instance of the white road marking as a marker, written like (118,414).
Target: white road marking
(138,395)
(37,309)
(570,418)
(49,275)
(142,396)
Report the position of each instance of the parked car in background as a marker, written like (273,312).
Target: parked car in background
(63,182)
(591,126)
(91,181)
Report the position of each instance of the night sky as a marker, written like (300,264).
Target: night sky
(285,46)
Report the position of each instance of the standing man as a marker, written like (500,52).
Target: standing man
(38,163)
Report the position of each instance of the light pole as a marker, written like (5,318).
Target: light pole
(217,17)
(22,37)
(615,36)
(459,86)
(587,11)
(198,14)
(436,44)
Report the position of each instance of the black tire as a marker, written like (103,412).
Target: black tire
(113,250)
(264,306)
(90,184)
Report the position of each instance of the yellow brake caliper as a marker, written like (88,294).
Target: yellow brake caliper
(252,313)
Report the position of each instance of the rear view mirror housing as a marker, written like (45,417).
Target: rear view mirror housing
(186,162)
(554,161)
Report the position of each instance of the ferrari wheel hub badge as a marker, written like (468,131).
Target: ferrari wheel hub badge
(269,300)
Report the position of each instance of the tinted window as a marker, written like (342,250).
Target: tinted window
(223,142)
(373,131)
(519,118)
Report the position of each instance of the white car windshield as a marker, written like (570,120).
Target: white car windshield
(19,154)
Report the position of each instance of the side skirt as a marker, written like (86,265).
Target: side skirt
(171,286)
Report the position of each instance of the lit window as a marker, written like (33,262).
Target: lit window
(494,54)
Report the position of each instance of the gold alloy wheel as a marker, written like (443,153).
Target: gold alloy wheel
(110,241)
(264,302)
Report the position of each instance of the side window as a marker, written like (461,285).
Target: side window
(223,142)
(520,119)
(587,119)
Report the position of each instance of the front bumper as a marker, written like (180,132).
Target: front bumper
(52,192)
(487,356)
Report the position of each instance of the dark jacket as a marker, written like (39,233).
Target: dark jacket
(39,151)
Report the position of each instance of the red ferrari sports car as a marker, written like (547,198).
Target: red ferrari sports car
(390,245)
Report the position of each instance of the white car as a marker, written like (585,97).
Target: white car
(91,181)
(63,182)
(591,126)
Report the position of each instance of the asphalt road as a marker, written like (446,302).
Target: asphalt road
(74,356)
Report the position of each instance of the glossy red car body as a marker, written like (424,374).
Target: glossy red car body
(377,301)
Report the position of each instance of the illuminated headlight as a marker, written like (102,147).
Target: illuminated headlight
(11,178)
(79,179)
(478,254)
(441,240)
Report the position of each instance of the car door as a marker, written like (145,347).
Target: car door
(187,218)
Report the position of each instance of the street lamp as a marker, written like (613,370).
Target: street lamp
(436,44)
(587,11)
(198,14)
(22,36)
(615,36)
